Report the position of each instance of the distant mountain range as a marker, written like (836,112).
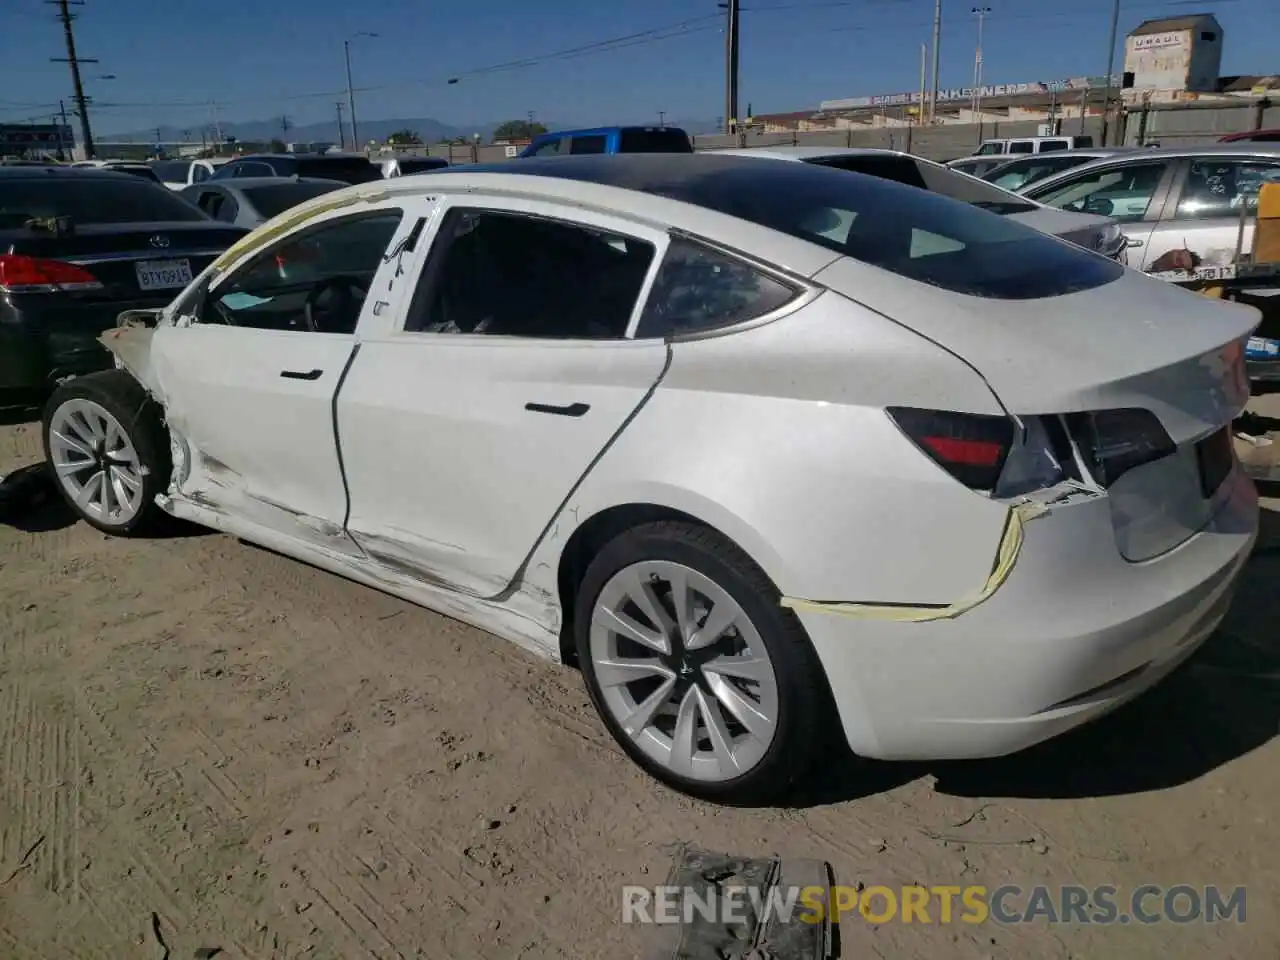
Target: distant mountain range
(428,128)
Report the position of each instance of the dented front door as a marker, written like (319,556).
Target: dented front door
(249,381)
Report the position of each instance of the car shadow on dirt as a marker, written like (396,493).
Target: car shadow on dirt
(1222,704)
(14,416)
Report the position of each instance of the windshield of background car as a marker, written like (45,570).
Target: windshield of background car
(91,199)
(276,198)
(346,169)
(421,165)
(172,171)
(1023,173)
(927,176)
(654,141)
(914,233)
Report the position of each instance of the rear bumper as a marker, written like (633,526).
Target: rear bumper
(1073,633)
(41,344)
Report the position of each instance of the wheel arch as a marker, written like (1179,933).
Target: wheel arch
(608,521)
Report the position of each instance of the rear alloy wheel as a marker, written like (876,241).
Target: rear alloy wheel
(701,677)
(108,451)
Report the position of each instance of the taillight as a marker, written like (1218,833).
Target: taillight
(22,274)
(971,447)
(1113,442)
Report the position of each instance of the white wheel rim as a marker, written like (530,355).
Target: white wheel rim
(95,462)
(683,671)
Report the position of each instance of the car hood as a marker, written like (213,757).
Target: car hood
(1079,228)
(1134,342)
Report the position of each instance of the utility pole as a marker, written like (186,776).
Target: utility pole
(351,96)
(662,118)
(82,102)
(62,130)
(1111,65)
(217,125)
(924,60)
(342,131)
(981,14)
(731,66)
(937,50)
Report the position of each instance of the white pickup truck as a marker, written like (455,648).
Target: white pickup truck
(180,174)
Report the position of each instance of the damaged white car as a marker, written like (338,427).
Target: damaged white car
(757,444)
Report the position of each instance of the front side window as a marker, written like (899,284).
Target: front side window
(1123,192)
(507,274)
(698,288)
(550,148)
(315,281)
(1218,188)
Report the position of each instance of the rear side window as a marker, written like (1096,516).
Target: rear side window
(279,197)
(550,148)
(1048,145)
(346,169)
(505,274)
(90,200)
(698,288)
(657,140)
(1021,146)
(596,143)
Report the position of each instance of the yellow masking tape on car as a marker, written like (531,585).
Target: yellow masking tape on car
(1006,557)
(265,234)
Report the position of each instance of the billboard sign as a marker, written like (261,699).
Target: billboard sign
(963,94)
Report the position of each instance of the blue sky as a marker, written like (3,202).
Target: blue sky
(263,59)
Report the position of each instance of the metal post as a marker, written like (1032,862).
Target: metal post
(924,64)
(731,67)
(977,70)
(351,96)
(1084,106)
(937,50)
(62,130)
(342,131)
(1111,65)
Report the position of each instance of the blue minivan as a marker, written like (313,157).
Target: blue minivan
(610,140)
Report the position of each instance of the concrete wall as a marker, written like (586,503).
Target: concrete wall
(1190,124)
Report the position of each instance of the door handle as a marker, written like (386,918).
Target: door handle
(1130,242)
(301,374)
(570,410)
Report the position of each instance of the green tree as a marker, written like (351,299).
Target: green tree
(404,138)
(518,130)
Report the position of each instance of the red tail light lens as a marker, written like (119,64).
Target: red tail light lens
(971,447)
(22,274)
(1113,442)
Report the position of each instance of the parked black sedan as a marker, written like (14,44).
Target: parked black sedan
(77,247)
(251,201)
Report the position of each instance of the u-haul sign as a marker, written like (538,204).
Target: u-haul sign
(1157,41)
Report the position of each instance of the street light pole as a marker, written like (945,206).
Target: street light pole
(1111,65)
(981,13)
(937,49)
(351,92)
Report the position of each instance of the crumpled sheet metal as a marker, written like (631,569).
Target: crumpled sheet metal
(270,231)
(1006,557)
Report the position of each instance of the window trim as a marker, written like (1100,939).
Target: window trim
(805,292)
(511,205)
(199,301)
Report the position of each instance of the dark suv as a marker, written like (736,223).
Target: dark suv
(323,166)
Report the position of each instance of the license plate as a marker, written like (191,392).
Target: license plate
(163,274)
(1216,458)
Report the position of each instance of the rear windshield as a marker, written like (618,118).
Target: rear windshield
(172,171)
(276,198)
(1023,173)
(654,141)
(91,199)
(346,169)
(927,176)
(146,173)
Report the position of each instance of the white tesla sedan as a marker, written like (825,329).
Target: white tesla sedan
(758,444)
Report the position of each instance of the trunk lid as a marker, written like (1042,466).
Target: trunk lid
(133,259)
(1080,228)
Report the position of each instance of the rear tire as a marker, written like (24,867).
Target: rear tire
(719,696)
(108,450)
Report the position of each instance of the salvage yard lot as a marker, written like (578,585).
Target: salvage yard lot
(206,745)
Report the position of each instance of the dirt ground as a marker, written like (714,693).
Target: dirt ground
(209,749)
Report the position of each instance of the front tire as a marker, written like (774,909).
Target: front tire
(108,450)
(698,672)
